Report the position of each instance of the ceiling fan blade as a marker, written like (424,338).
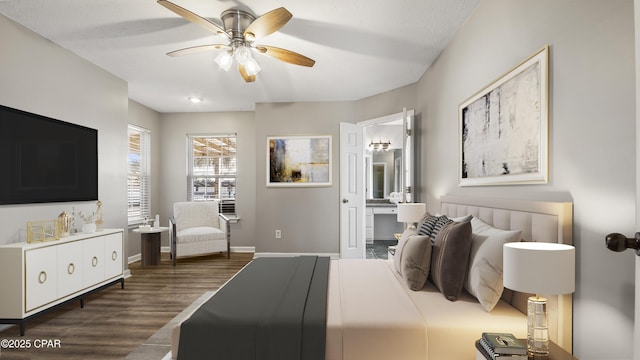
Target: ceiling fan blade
(193,17)
(267,24)
(286,55)
(245,75)
(196,49)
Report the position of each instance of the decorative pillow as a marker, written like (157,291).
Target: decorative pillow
(442,222)
(449,258)
(431,225)
(425,227)
(397,257)
(484,280)
(416,258)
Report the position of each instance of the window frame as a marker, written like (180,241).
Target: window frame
(216,168)
(144,173)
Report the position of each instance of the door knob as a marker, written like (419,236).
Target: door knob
(618,242)
(344,201)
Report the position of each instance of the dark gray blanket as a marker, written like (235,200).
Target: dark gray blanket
(275,308)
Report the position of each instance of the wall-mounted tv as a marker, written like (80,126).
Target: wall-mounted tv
(46,160)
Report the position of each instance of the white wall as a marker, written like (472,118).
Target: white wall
(43,78)
(173,154)
(592,138)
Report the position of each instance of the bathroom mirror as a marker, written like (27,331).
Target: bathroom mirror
(388,158)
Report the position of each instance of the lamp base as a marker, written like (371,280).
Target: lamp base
(537,326)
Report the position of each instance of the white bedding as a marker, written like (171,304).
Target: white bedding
(372,314)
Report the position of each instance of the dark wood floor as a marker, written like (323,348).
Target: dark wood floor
(115,321)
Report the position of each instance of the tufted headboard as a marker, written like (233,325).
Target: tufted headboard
(546,221)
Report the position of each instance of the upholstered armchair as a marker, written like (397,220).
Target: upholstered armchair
(197,229)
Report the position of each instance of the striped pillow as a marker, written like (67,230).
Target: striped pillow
(432,225)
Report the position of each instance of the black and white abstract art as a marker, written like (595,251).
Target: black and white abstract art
(504,128)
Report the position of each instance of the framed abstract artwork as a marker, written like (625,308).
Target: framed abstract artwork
(299,161)
(503,128)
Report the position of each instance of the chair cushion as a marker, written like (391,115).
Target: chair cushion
(195,213)
(198,234)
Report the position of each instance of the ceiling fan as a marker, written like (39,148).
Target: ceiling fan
(242,29)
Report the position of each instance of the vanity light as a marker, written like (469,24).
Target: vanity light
(380,145)
(195,100)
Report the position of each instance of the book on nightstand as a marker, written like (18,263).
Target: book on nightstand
(483,354)
(503,346)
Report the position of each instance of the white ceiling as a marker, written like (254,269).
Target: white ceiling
(361,48)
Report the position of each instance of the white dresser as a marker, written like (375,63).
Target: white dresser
(35,277)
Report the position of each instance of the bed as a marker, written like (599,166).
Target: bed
(373,313)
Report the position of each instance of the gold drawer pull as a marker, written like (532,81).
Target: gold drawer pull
(71,268)
(42,277)
(94,261)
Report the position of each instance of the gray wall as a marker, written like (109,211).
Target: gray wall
(592,142)
(173,174)
(41,77)
(308,217)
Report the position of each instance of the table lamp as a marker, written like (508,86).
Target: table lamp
(539,268)
(411,213)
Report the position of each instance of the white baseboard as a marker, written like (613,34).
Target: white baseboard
(271,254)
(167,249)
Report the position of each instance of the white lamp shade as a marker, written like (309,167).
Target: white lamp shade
(539,267)
(411,212)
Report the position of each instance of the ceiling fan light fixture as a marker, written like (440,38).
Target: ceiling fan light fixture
(225,59)
(252,67)
(242,54)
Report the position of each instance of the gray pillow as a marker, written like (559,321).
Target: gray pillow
(449,258)
(397,257)
(416,258)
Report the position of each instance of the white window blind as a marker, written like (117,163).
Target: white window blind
(212,171)
(138,179)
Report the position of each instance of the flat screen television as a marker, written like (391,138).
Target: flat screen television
(46,160)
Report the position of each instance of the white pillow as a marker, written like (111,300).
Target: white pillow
(484,277)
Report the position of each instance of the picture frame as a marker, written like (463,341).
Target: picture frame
(299,161)
(503,129)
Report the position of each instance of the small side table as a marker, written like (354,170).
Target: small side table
(150,244)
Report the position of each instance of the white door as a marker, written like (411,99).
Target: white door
(352,190)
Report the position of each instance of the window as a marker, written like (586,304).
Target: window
(212,170)
(138,175)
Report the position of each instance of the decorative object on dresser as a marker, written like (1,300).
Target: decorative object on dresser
(46,230)
(540,268)
(65,222)
(39,276)
(411,213)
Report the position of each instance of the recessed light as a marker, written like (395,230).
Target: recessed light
(195,100)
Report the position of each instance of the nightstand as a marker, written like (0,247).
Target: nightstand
(555,353)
